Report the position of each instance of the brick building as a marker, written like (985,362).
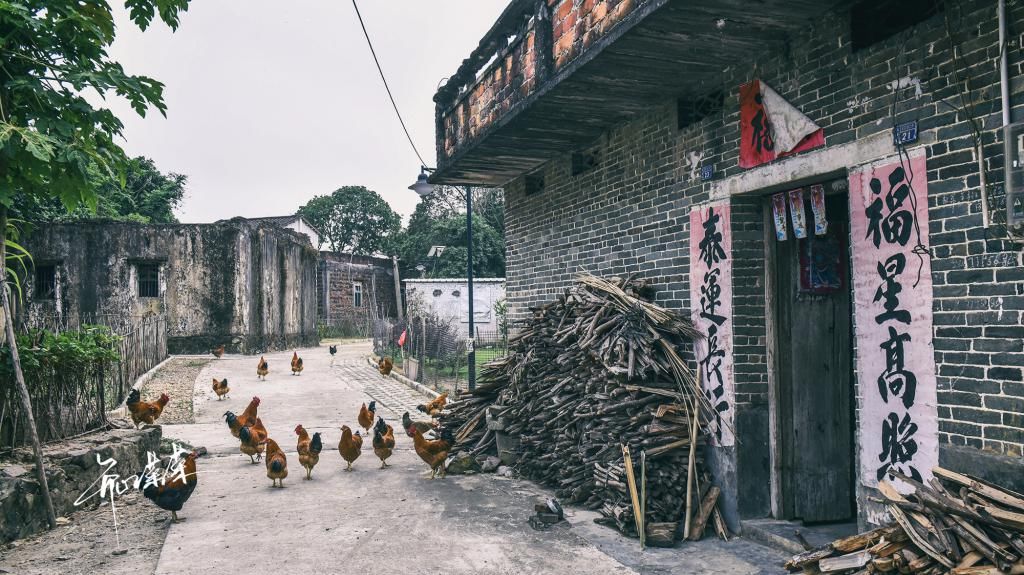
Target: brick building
(352,288)
(890,336)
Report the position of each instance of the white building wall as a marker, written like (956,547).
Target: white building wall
(449,298)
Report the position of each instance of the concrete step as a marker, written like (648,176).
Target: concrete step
(781,535)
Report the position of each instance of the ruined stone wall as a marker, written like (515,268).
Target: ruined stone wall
(214,287)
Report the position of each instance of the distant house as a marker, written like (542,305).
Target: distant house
(351,287)
(293,222)
(450,298)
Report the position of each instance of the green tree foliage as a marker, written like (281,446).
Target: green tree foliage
(52,139)
(353,219)
(440,220)
(146,196)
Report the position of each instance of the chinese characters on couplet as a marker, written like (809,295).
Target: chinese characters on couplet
(892,285)
(711,292)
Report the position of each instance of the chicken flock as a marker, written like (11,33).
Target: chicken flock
(430,441)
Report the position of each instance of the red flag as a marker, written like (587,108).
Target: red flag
(401,339)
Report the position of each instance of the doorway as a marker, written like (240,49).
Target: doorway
(810,334)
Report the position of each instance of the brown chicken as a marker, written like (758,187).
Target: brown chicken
(296,363)
(248,417)
(383,441)
(277,464)
(408,424)
(350,446)
(173,491)
(143,411)
(434,408)
(309,450)
(220,387)
(218,352)
(262,368)
(367,416)
(254,440)
(385,365)
(433,453)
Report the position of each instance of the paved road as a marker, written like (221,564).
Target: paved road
(372,521)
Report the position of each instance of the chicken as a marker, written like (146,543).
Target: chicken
(143,411)
(221,388)
(254,439)
(262,369)
(367,415)
(333,350)
(218,352)
(248,417)
(383,441)
(350,446)
(435,406)
(309,450)
(296,363)
(277,464)
(172,491)
(408,424)
(433,453)
(385,365)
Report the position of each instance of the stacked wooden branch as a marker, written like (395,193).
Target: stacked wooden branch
(956,524)
(594,370)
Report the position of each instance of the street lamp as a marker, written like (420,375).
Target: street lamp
(424,188)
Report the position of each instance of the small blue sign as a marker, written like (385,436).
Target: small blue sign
(905,133)
(707,172)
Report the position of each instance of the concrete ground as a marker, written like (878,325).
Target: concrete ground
(375,520)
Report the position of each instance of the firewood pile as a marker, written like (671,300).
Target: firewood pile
(956,524)
(588,374)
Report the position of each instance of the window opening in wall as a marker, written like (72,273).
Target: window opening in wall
(149,280)
(872,21)
(584,161)
(46,282)
(692,110)
(534,184)
(357,294)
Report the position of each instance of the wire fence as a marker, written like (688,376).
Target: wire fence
(435,350)
(76,372)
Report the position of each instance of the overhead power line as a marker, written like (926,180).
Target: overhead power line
(386,87)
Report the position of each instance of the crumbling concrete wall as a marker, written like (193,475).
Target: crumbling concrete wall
(249,286)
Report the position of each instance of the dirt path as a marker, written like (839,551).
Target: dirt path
(86,545)
(177,379)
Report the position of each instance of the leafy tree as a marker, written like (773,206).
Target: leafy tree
(146,195)
(353,219)
(440,220)
(52,139)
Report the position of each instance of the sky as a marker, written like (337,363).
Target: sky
(272,103)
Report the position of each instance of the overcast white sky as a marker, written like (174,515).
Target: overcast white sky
(271,103)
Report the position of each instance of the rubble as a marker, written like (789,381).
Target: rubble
(956,524)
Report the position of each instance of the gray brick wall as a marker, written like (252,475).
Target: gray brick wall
(629,214)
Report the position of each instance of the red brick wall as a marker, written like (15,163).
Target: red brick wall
(509,80)
(577,24)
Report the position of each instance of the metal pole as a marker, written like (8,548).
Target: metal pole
(469,277)
(1004,78)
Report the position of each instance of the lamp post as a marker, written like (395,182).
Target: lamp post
(424,188)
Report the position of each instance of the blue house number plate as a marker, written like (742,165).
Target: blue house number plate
(707,172)
(905,133)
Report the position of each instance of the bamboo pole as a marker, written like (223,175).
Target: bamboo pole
(19,377)
(690,466)
(643,499)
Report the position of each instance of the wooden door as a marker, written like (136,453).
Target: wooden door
(814,378)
